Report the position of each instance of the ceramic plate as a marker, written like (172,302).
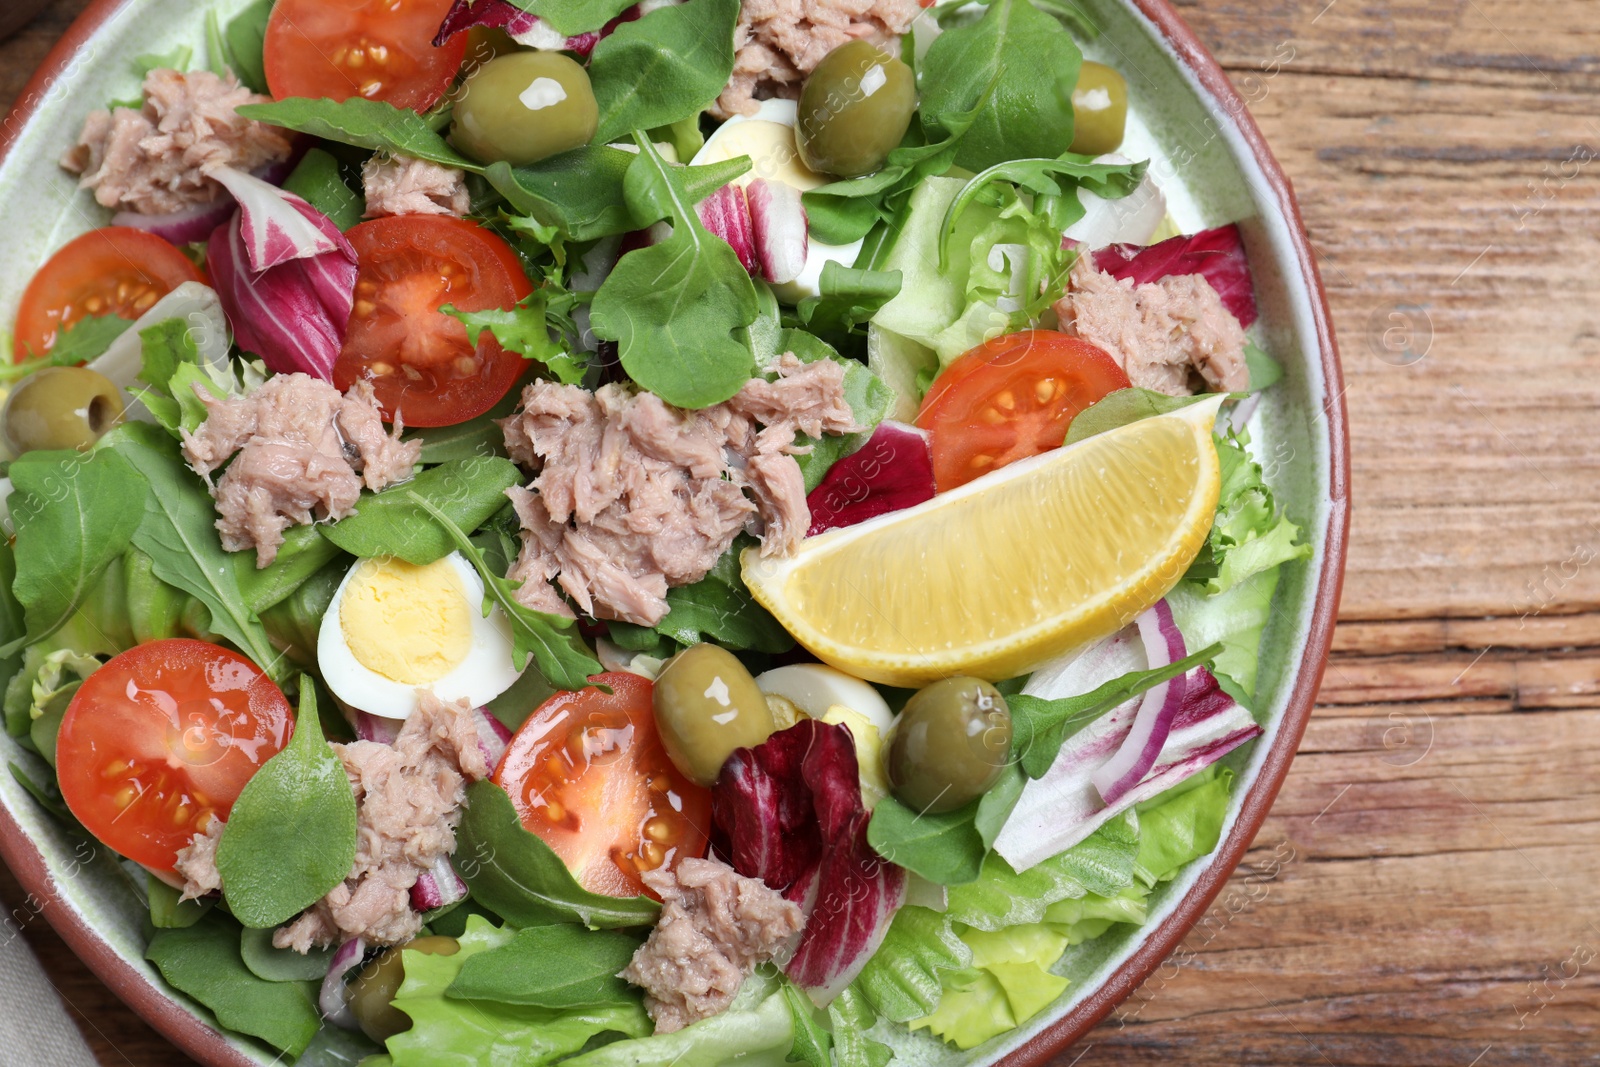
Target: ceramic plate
(1208,157)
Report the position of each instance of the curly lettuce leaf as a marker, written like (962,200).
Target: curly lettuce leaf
(446,1032)
(757,1030)
(1008,984)
(1251,534)
(1182,824)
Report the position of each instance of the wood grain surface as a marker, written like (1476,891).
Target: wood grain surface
(1427,889)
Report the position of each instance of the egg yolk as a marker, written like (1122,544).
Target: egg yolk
(410,624)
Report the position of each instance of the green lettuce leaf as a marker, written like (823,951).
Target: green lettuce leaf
(1251,534)
(757,1030)
(1091,915)
(447,1032)
(1008,984)
(1182,824)
(1235,620)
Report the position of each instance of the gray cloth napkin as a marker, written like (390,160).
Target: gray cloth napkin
(35,1029)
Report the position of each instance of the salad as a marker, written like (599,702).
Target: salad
(624,534)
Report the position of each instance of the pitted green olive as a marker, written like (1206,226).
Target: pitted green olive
(372,992)
(1099,110)
(60,407)
(706,706)
(855,109)
(524,107)
(949,745)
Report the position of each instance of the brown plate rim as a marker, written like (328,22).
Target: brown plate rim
(206,1044)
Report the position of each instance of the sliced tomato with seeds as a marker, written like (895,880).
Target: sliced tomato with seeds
(375,49)
(587,773)
(1011,398)
(161,740)
(116,270)
(418,359)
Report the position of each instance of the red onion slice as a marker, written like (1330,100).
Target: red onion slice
(493,737)
(374,727)
(1157,710)
(782,231)
(438,887)
(727,214)
(181,227)
(334,999)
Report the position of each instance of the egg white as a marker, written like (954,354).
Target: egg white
(816,687)
(485,673)
(776,159)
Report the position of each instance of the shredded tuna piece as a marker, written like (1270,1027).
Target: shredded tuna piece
(1161,333)
(401,185)
(634,496)
(304,452)
(155,160)
(779,42)
(408,801)
(197,862)
(715,927)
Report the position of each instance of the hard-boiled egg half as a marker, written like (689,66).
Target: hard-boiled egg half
(394,628)
(767,137)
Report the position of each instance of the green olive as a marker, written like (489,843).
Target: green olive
(1099,110)
(372,992)
(707,705)
(854,110)
(60,407)
(949,745)
(524,107)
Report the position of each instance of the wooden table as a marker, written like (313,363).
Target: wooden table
(1427,890)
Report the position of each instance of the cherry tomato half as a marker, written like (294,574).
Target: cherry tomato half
(1011,398)
(587,773)
(377,49)
(112,271)
(418,359)
(162,739)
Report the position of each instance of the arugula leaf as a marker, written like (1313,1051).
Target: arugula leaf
(812,1045)
(246,37)
(178,532)
(663,68)
(446,1031)
(947,848)
(1122,407)
(677,309)
(1040,727)
(203,961)
(573,17)
(581,192)
(73,514)
(481,436)
(281,964)
(469,491)
(168,909)
(1032,65)
(847,297)
(317,181)
(551,640)
(364,123)
(560,966)
(526,329)
(12,624)
(719,608)
(292,834)
(517,876)
(304,552)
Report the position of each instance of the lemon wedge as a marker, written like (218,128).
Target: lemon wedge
(1008,571)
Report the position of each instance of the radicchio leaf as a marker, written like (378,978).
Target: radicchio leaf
(1217,254)
(286,276)
(789,812)
(891,472)
(501,15)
